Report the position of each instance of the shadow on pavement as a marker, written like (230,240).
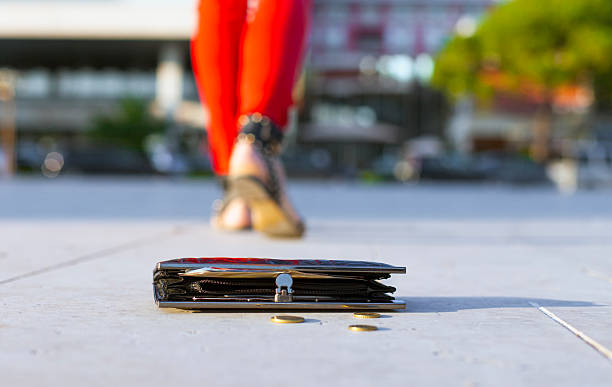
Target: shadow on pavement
(454,304)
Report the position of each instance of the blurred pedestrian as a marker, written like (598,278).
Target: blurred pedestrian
(246,56)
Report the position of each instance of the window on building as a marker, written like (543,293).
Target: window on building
(368,39)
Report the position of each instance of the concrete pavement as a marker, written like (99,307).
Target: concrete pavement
(76,299)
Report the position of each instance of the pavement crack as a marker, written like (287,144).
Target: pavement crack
(596,274)
(605,352)
(96,254)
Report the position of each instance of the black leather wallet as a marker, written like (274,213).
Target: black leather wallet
(263,283)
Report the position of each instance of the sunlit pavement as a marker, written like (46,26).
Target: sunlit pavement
(76,304)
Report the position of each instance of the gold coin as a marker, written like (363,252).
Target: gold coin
(284,319)
(362,328)
(366,315)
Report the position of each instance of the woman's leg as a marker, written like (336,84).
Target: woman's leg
(272,49)
(215,51)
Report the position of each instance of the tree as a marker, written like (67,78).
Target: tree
(128,127)
(534,47)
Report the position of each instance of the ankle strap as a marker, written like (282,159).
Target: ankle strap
(261,131)
(224,182)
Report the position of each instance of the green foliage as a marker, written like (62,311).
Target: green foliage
(457,66)
(129,127)
(546,42)
(603,91)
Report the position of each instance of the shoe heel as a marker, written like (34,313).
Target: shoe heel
(268,218)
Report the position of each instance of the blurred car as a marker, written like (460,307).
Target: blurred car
(105,159)
(594,164)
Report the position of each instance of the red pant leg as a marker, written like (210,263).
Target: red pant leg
(272,50)
(215,50)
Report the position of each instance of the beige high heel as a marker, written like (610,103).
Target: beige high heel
(268,214)
(220,206)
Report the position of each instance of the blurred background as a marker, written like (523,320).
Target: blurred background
(517,92)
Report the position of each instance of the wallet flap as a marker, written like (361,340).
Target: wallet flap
(301,265)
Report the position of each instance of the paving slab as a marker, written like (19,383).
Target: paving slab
(477,258)
(29,247)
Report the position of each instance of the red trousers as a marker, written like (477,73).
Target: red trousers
(245,57)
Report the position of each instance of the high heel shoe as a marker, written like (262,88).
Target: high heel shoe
(269,212)
(221,205)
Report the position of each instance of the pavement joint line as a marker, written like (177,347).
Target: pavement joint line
(95,255)
(605,352)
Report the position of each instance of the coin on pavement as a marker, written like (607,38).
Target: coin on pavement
(366,315)
(284,319)
(362,328)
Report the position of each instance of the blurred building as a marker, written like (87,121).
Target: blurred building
(370,65)
(349,35)
(77,58)
(367,72)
